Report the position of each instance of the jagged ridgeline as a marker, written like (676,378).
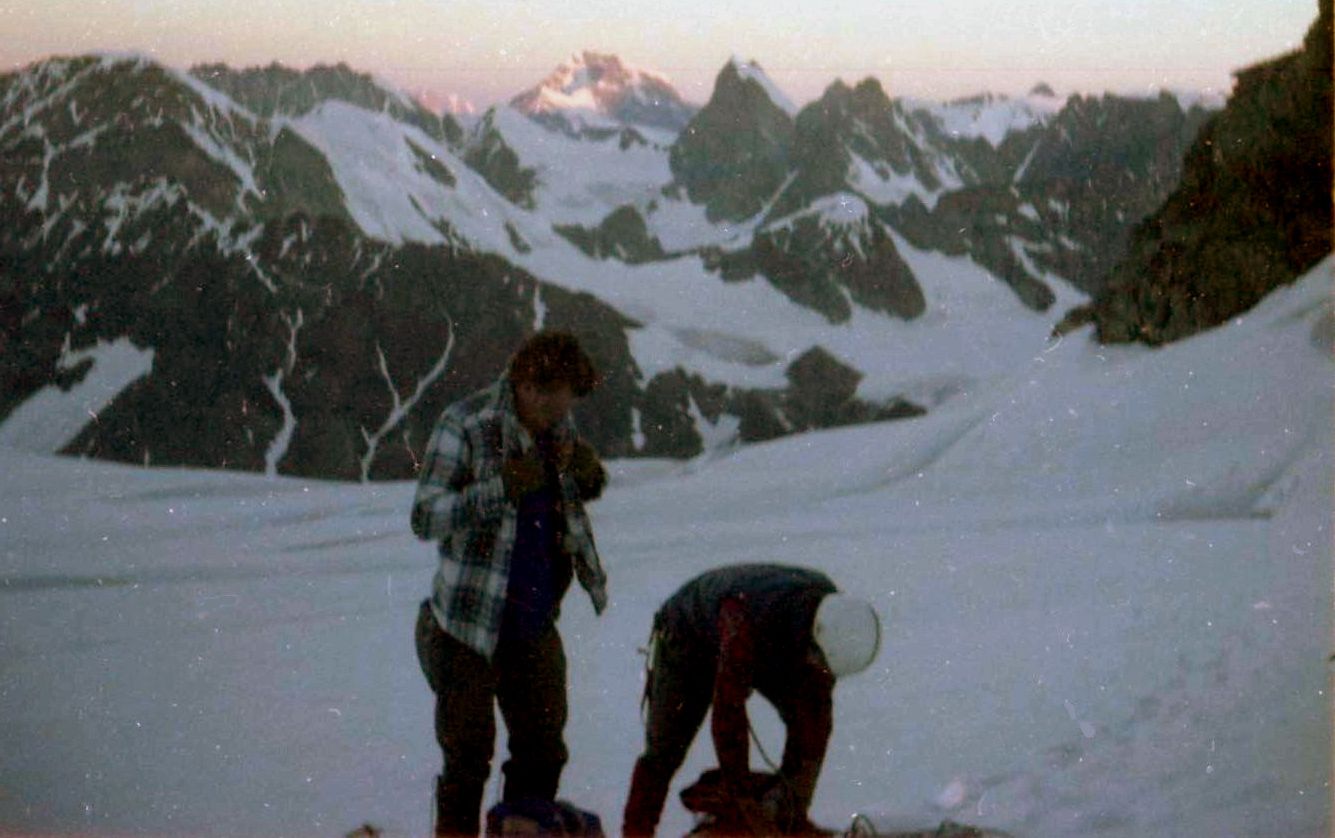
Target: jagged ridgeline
(277,90)
(1253,211)
(1024,188)
(141,206)
(307,266)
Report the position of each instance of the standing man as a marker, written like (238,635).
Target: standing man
(502,489)
(784,632)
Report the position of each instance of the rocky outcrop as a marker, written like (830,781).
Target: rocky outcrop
(1252,213)
(622,235)
(830,258)
(736,152)
(487,153)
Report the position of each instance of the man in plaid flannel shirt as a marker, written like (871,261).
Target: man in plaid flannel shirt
(502,489)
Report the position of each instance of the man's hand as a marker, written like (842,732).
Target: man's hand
(590,476)
(522,475)
(563,455)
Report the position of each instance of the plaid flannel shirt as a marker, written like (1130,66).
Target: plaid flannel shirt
(461,503)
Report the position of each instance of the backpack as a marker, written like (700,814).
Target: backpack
(535,818)
(766,807)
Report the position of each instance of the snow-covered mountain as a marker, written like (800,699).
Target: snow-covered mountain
(593,91)
(742,279)
(991,116)
(454,104)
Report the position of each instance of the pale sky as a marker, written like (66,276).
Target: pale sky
(489,50)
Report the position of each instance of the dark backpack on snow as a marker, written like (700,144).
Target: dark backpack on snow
(542,819)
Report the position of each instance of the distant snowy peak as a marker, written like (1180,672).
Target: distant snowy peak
(600,85)
(991,116)
(751,71)
(450,103)
(600,74)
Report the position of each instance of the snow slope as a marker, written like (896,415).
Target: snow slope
(581,181)
(1106,584)
(975,329)
(391,192)
(53,417)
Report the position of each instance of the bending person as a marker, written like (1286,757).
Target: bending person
(785,632)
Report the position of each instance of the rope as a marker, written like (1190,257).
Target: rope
(650,652)
(774,769)
(778,775)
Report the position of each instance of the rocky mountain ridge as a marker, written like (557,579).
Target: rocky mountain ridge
(1252,212)
(317,266)
(141,204)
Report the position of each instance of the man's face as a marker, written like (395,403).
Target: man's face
(541,407)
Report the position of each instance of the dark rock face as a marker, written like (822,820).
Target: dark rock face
(622,235)
(1104,164)
(355,351)
(297,180)
(1253,211)
(844,122)
(487,153)
(735,153)
(125,132)
(828,265)
(666,418)
(821,393)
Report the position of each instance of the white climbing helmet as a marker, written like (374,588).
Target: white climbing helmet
(848,633)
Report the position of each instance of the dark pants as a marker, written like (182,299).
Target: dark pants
(678,695)
(528,682)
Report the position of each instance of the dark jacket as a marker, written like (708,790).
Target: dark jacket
(752,625)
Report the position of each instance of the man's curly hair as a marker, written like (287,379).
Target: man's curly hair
(551,358)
